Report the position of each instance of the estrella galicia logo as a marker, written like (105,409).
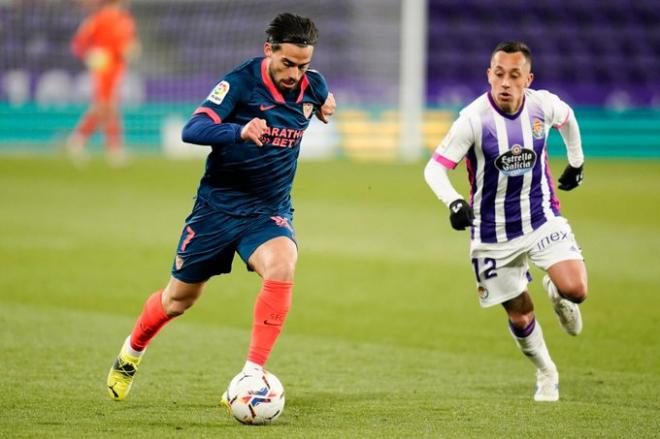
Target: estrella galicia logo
(517,161)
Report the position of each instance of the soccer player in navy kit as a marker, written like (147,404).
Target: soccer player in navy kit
(513,212)
(253,119)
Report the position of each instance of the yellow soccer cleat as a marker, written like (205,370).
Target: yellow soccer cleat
(120,378)
(224,402)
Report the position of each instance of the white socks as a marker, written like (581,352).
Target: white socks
(130,351)
(533,346)
(252,367)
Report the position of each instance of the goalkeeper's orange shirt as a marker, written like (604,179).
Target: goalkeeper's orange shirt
(111,28)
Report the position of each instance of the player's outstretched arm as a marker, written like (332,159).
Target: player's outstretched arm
(201,130)
(327,109)
(460,212)
(574,173)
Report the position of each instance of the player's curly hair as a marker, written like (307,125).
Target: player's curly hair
(513,47)
(291,28)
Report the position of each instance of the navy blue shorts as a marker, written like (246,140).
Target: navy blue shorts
(210,238)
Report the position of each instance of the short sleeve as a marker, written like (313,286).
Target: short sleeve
(455,144)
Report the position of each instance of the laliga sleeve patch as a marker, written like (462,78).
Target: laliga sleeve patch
(219,92)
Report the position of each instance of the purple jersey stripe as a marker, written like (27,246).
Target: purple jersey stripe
(490,179)
(512,213)
(536,194)
(470,161)
(536,198)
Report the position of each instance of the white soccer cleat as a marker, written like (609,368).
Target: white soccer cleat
(568,312)
(75,149)
(117,158)
(547,386)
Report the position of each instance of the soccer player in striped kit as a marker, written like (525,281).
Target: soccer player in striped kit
(254,120)
(513,212)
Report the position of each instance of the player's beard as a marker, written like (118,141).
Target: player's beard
(287,87)
(279,83)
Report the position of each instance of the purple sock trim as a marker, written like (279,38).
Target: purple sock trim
(522,333)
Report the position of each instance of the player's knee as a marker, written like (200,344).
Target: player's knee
(575,290)
(282,269)
(521,321)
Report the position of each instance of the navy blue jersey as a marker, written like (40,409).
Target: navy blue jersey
(240,177)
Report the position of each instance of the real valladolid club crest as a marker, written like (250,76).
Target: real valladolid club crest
(307,109)
(537,129)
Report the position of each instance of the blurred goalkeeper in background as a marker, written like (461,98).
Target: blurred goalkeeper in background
(104,41)
(254,120)
(513,212)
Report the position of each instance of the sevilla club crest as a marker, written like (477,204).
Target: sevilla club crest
(308,108)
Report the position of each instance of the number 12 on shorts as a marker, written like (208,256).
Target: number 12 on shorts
(489,265)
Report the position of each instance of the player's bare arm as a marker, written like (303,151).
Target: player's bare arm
(327,109)
(253,131)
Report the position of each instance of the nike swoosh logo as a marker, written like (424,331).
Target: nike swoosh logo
(267,323)
(263,107)
(457,208)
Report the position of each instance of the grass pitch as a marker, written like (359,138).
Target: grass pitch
(385,338)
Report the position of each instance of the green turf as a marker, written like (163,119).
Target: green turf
(385,339)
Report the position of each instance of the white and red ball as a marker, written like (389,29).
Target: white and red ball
(255,397)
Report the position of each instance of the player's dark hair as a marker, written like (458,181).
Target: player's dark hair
(291,28)
(513,47)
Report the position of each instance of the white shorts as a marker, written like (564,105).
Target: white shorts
(502,270)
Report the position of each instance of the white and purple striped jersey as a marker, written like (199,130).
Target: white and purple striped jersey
(511,188)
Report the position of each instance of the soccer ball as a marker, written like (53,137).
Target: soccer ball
(255,397)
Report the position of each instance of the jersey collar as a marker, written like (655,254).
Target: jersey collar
(277,95)
(502,113)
